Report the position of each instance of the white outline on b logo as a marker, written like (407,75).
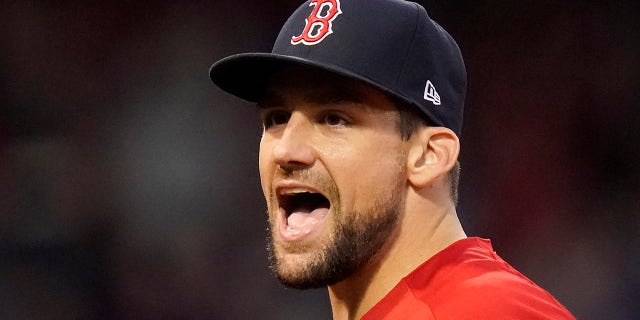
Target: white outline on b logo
(318,27)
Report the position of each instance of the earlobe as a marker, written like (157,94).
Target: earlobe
(433,152)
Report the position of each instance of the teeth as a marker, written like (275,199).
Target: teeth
(294,191)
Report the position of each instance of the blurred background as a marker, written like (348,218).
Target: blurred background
(129,185)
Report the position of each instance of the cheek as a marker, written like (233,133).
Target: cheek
(369,174)
(265,166)
(375,182)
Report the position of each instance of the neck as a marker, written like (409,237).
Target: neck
(421,233)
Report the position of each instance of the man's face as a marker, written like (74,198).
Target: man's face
(332,170)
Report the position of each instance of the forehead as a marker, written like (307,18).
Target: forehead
(294,84)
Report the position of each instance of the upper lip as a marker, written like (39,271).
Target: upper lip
(286,188)
(291,187)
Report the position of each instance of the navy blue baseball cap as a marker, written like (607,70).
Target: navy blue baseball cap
(391,45)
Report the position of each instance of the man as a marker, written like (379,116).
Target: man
(361,102)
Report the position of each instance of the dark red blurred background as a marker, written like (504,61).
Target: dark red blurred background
(129,186)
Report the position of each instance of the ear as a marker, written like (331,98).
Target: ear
(432,153)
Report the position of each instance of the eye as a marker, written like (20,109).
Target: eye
(275,118)
(334,119)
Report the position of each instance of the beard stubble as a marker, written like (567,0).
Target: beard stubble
(353,241)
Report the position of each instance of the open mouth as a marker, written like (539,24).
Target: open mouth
(303,209)
(304,201)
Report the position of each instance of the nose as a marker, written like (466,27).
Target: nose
(293,150)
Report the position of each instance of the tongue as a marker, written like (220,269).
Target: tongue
(304,221)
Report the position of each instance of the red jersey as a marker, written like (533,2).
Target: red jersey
(467,280)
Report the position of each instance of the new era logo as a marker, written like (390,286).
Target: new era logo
(430,93)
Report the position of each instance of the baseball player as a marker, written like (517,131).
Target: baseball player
(361,102)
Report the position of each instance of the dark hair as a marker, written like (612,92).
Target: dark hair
(410,119)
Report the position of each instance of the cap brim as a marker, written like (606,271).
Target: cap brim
(245,75)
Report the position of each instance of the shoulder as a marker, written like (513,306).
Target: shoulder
(473,281)
(497,294)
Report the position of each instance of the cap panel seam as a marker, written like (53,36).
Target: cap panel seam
(409,47)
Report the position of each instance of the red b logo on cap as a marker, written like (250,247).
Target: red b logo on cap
(318,24)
